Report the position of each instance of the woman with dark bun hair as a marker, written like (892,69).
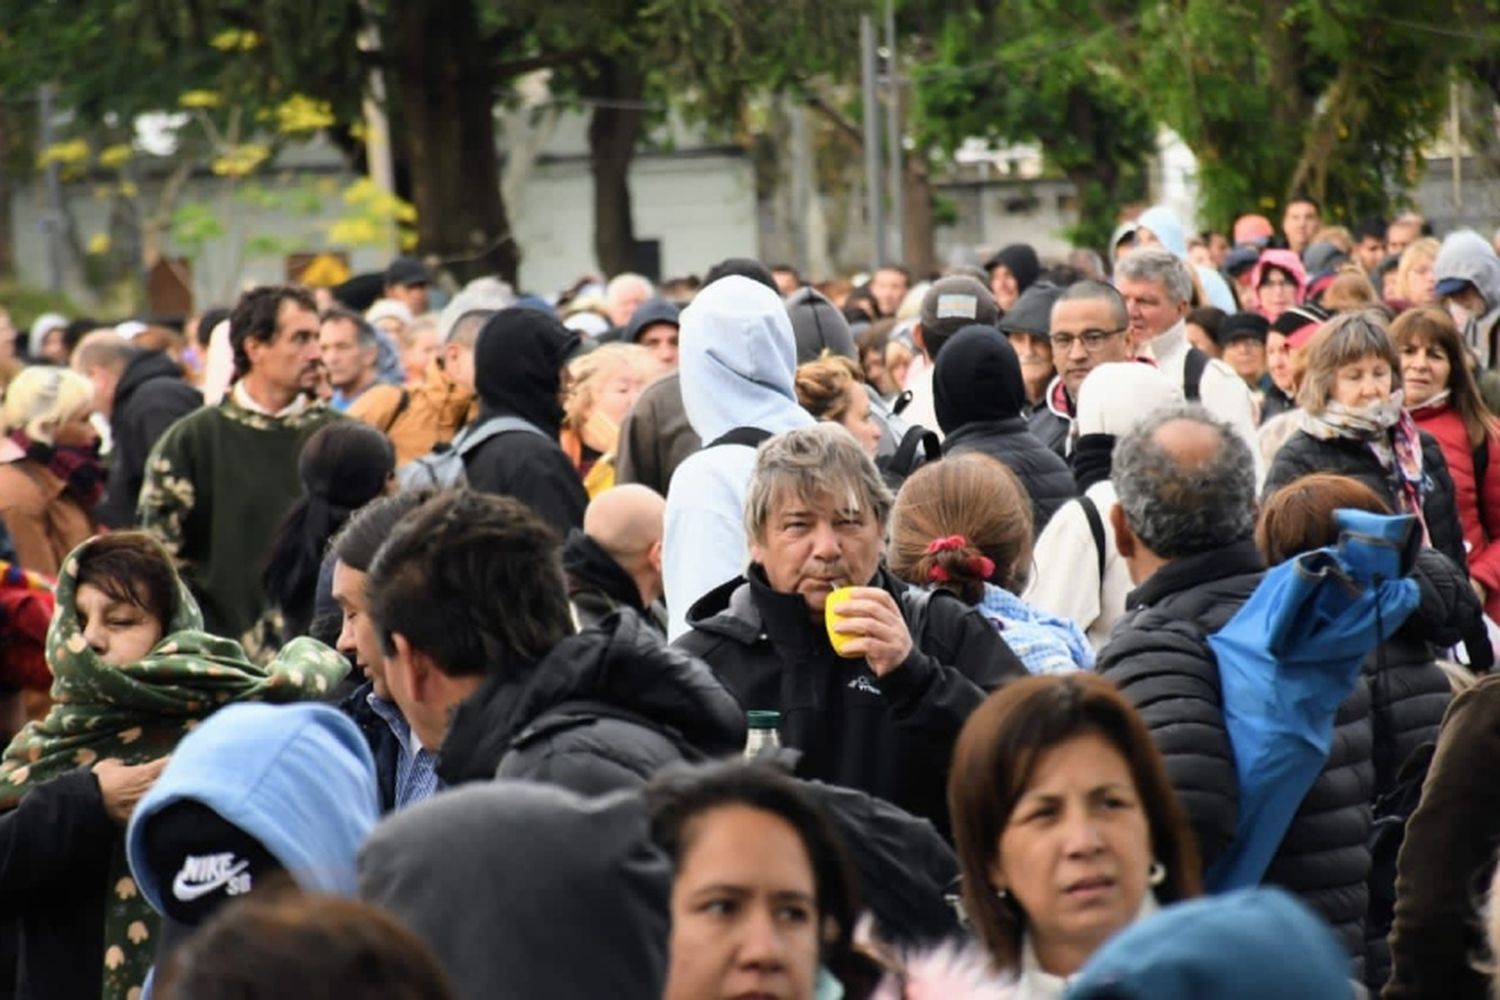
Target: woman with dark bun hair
(342,467)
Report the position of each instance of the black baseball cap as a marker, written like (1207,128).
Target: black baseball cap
(406,271)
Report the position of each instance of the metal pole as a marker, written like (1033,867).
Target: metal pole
(52,221)
(893,131)
(874,192)
(377,125)
(801,185)
(1456,139)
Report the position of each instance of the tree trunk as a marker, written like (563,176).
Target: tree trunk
(614,127)
(919,252)
(7,246)
(442,82)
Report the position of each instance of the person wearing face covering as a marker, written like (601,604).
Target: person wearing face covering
(979,397)
(518,363)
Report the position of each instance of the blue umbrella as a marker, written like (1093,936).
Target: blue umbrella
(1289,658)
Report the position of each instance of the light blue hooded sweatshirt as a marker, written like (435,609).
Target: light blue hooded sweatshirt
(1165,225)
(297,778)
(737,356)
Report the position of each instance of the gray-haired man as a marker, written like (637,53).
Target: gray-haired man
(1158,292)
(883,717)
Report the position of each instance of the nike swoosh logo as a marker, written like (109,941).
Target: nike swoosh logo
(188,891)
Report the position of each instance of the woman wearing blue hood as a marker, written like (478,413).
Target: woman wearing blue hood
(979,395)
(134,672)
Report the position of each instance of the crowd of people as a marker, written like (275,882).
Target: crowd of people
(1117,626)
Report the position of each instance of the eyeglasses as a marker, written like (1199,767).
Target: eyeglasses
(1093,340)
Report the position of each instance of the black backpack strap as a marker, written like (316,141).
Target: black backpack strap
(904,461)
(1096,528)
(748,436)
(400,409)
(1192,374)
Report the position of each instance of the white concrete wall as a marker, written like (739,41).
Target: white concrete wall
(701,208)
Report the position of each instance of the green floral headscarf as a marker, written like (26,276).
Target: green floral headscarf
(137,713)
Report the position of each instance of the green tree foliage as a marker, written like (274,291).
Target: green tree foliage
(1331,97)
(1045,72)
(1334,99)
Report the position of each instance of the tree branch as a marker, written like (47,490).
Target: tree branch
(554,60)
(840,121)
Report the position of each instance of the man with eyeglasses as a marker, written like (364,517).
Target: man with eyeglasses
(1158,292)
(1088,328)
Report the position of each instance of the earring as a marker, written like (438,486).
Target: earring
(1001,894)
(1158,874)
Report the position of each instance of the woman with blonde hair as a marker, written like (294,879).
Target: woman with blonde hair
(604,384)
(832,388)
(51,477)
(1352,423)
(1415,282)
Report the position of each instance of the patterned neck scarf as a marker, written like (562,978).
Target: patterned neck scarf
(79,468)
(137,713)
(1392,437)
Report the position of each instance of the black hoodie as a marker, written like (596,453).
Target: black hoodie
(518,362)
(527,891)
(149,398)
(605,709)
(979,395)
(598,585)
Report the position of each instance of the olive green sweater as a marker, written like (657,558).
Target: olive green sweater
(218,484)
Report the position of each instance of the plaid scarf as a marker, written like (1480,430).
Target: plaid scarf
(1391,435)
(80,468)
(137,713)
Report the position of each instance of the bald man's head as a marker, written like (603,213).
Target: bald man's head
(1186,483)
(628,522)
(626,518)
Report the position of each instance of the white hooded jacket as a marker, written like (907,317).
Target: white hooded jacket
(738,360)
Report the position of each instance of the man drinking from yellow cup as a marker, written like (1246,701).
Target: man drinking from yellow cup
(879,713)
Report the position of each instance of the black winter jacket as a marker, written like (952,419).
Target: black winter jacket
(1047,478)
(517,358)
(55,850)
(1304,454)
(1158,656)
(532,469)
(598,586)
(1409,695)
(604,710)
(149,398)
(384,746)
(1160,659)
(890,736)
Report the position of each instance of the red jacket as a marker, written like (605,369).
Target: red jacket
(1481,522)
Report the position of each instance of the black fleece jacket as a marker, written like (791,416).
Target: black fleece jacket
(891,736)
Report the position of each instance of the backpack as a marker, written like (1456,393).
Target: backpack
(917,447)
(443,467)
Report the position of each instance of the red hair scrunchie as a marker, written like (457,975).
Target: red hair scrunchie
(951,543)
